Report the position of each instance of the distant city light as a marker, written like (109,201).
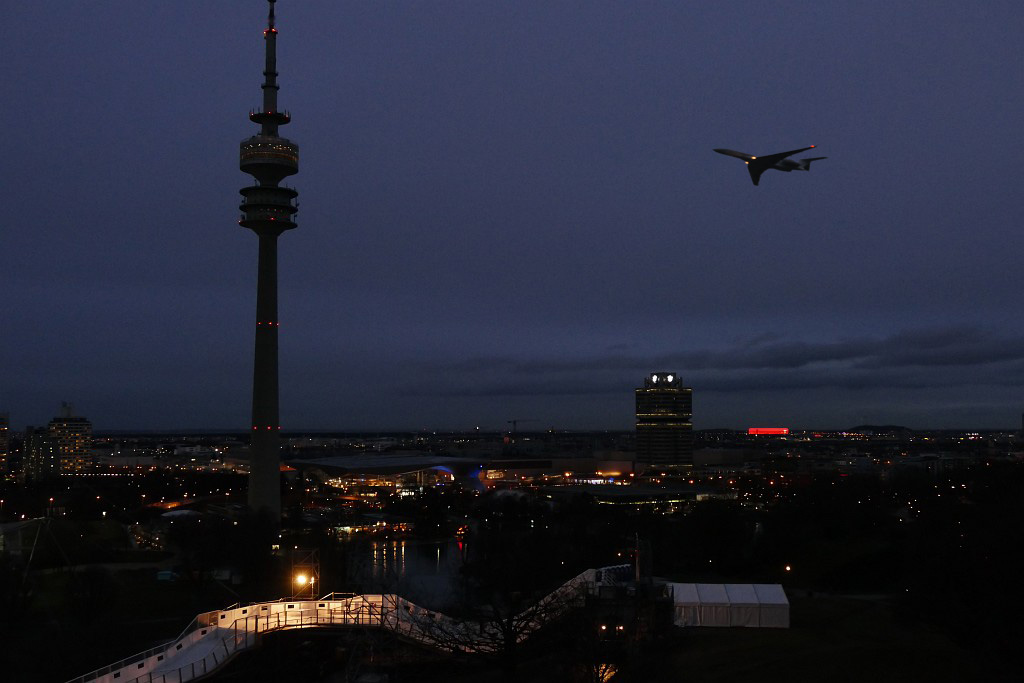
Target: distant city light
(767,430)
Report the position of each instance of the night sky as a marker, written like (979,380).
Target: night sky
(513,210)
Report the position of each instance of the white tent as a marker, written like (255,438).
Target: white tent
(732,604)
(744,607)
(714,604)
(774,605)
(687,604)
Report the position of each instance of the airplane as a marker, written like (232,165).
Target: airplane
(758,165)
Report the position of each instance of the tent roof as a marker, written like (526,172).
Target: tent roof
(742,594)
(729,593)
(771,594)
(713,593)
(685,593)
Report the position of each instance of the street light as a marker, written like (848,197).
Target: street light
(304,585)
(305,571)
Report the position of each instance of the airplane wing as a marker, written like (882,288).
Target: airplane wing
(772,159)
(738,155)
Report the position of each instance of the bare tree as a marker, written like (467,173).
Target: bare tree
(498,626)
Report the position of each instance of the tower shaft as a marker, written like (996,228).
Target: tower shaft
(265,446)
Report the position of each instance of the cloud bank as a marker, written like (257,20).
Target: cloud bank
(922,358)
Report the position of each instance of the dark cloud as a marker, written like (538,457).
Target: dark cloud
(910,359)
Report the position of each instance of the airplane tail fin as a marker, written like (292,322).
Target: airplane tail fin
(805,164)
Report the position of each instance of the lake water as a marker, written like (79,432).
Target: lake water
(425,572)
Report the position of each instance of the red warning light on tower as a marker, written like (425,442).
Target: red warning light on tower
(763,431)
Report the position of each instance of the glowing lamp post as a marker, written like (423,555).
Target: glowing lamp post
(305,572)
(304,585)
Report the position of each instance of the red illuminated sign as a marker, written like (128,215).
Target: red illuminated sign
(768,430)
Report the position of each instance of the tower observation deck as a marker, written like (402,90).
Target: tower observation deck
(268,210)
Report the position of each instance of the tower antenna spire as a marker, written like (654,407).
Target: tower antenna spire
(270,121)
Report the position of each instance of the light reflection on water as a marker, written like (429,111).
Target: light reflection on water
(388,559)
(418,570)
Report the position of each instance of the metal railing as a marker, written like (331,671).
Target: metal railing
(212,638)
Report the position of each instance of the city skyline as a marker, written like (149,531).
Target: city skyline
(514,211)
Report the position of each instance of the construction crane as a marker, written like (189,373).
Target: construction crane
(510,438)
(515,423)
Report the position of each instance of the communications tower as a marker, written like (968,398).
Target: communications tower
(268,210)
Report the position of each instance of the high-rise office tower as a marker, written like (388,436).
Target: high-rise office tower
(268,210)
(62,447)
(39,454)
(664,433)
(72,437)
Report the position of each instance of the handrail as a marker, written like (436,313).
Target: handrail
(383,610)
(341,596)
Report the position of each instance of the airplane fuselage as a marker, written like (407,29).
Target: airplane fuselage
(791,165)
